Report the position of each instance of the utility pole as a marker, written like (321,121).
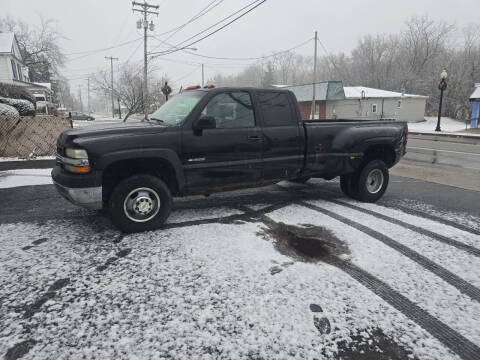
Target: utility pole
(144,8)
(80,97)
(314,75)
(119,109)
(111,74)
(88,94)
(203,77)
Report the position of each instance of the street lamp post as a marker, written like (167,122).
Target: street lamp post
(441,86)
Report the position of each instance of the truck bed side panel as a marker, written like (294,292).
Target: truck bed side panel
(334,148)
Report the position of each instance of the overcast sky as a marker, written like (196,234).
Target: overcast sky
(274,26)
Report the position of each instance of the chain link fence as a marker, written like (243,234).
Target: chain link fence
(29,137)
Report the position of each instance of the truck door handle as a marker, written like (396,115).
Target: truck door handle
(254,138)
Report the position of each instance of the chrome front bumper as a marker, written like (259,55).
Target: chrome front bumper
(90,198)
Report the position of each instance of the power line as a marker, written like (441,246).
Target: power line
(329,56)
(202,12)
(92,52)
(102,49)
(186,75)
(195,63)
(249,58)
(213,32)
(134,52)
(123,27)
(218,22)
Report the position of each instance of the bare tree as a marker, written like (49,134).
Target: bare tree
(128,87)
(284,62)
(39,46)
(409,61)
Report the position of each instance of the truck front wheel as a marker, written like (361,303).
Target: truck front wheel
(140,203)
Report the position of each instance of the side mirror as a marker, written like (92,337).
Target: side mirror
(204,123)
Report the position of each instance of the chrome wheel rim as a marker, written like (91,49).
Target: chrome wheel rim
(375,181)
(141,204)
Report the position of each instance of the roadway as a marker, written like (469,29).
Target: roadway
(444,151)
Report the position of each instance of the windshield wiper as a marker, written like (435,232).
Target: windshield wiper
(159,120)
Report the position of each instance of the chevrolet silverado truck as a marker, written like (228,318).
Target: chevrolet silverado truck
(206,140)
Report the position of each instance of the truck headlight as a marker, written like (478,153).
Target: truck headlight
(76,161)
(76,153)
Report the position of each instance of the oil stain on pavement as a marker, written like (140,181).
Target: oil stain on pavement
(309,243)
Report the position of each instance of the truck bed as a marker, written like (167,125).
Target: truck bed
(337,146)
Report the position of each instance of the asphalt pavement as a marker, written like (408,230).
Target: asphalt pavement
(285,271)
(445,151)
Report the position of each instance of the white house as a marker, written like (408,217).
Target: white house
(366,103)
(12,67)
(13,71)
(335,101)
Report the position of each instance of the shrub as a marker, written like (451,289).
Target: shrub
(7,111)
(16,92)
(24,107)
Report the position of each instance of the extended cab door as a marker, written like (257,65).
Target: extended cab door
(231,153)
(282,139)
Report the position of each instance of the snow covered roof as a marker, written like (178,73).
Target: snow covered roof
(476,93)
(6,42)
(47,85)
(355,92)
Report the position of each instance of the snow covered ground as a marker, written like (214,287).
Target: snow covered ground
(104,119)
(447,125)
(23,177)
(244,288)
(4,159)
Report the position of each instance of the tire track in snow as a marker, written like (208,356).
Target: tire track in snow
(454,280)
(317,191)
(247,214)
(452,339)
(407,277)
(431,217)
(459,245)
(445,334)
(423,222)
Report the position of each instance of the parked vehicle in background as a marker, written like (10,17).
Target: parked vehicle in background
(208,140)
(77,115)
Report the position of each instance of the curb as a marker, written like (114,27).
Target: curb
(26,164)
(452,135)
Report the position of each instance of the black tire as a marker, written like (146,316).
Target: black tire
(372,181)
(348,184)
(140,203)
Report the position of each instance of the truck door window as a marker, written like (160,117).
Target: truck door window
(275,109)
(231,110)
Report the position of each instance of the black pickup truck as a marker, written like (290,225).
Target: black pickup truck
(209,140)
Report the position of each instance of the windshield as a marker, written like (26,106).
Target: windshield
(175,110)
